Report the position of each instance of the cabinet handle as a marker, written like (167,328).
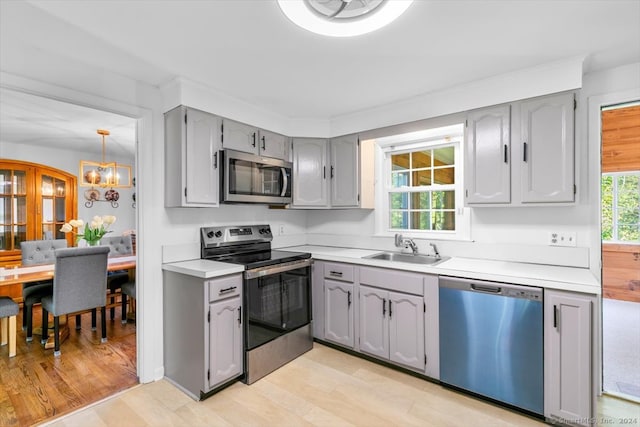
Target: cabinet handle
(348,298)
(384,307)
(254,139)
(324,172)
(240,315)
(332,172)
(390,312)
(227,290)
(555,316)
(264,143)
(215,160)
(524,152)
(505,153)
(335,273)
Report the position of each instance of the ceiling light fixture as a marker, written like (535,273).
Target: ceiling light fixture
(343,18)
(103,174)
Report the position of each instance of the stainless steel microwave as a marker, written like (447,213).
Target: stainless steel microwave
(249,178)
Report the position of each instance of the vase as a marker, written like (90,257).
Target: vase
(93,242)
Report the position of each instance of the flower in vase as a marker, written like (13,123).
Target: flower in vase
(91,232)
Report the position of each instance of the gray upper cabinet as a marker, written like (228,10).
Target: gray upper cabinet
(191,158)
(547,149)
(334,173)
(250,139)
(521,153)
(310,163)
(487,157)
(344,171)
(568,355)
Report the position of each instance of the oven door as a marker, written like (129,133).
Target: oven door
(277,301)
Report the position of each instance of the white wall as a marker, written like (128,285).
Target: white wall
(68,161)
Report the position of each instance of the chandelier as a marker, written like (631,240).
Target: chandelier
(103,174)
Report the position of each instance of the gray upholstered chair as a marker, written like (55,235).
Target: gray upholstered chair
(128,290)
(36,252)
(8,312)
(120,246)
(79,284)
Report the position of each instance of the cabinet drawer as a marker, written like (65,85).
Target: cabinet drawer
(335,271)
(393,280)
(225,287)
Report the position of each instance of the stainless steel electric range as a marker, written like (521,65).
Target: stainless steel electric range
(277,295)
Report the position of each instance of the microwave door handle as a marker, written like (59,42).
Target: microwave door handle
(285,182)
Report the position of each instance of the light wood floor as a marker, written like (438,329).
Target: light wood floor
(324,387)
(36,386)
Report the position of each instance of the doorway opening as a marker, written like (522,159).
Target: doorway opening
(620,219)
(37,385)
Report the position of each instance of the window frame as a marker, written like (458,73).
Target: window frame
(430,138)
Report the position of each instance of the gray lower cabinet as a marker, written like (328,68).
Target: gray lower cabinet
(392,326)
(339,307)
(202,331)
(568,394)
(338,314)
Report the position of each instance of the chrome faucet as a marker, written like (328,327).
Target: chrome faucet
(407,243)
(435,250)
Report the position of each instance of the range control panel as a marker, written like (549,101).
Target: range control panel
(232,235)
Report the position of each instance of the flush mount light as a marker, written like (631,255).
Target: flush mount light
(343,18)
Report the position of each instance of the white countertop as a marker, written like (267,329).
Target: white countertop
(520,273)
(545,276)
(203,268)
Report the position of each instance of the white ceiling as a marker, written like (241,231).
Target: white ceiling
(249,50)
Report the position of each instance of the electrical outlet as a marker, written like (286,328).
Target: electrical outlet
(566,238)
(280,230)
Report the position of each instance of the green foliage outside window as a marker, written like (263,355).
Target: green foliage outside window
(621,207)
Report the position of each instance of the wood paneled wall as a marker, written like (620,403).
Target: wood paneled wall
(621,272)
(621,139)
(621,152)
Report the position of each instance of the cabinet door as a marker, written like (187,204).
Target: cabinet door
(548,149)
(487,168)
(338,313)
(225,341)
(238,136)
(567,356)
(344,171)
(201,169)
(310,174)
(273,145)
(406,330)
(374,322)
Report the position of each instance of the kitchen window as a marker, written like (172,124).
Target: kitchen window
(621,207)
(421,195)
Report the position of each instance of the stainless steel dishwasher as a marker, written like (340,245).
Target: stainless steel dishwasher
(491,341)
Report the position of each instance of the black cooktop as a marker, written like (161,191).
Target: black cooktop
(253,260)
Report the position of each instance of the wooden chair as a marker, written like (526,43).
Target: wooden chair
(36,252)
(8,311)
(79,284)
(128,289)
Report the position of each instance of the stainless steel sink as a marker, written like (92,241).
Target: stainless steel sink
(414,259)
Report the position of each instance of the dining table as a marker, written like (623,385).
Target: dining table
(36,273)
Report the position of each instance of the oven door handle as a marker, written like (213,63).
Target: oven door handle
(278,268)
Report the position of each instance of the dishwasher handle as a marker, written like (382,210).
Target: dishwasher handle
(486,288)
